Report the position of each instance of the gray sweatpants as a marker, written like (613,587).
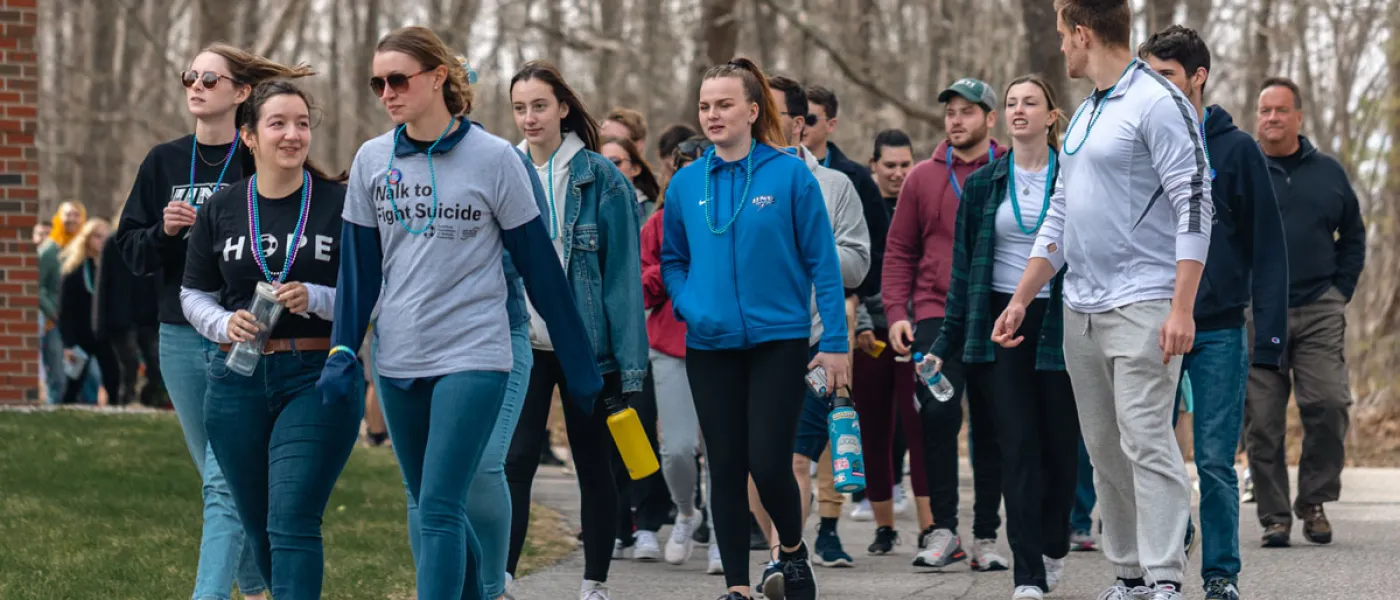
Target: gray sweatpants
(1126,396)
(679,431)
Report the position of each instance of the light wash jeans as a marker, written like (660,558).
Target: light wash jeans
(488,500)
(184,360)
(51,362)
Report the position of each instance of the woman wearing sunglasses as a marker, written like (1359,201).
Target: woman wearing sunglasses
(594,226)
(430,209)
(628,159)
(281,449)
(175,179)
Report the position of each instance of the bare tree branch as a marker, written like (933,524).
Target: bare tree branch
(269,43)
(819,39)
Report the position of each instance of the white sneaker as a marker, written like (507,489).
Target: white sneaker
(1027,592)
(648,549)
(1054,571)
(1164,592)
(682,539)
(985,556)
(594,590)
(509,594)
(621,552)
(862,512)
(901,501)
(716,566)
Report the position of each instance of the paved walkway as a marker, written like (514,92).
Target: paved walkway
(1359,565)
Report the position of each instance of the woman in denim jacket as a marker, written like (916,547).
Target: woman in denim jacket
(594,224)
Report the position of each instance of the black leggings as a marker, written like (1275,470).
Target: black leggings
(645,503)
(748,403)
(1039,433)
(591,445)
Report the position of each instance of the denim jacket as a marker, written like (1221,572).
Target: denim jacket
(602,258)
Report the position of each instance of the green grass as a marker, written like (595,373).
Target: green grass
(108,507)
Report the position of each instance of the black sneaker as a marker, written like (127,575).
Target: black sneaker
(702,531)
(1222,589)
(733,596)
(798,582)
(885,540)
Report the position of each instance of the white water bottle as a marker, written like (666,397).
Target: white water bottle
(929,373)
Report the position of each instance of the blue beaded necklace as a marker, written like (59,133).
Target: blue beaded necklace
(228,159)
(553,211)
(1045,205)
(709,201)
(1098,111)
(432,173)
(255,228)
(1206,147)
(953,177)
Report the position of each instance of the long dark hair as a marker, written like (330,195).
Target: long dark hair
(429,50)
(645,182)
(267,90)
(578,120)
(1052,135)
(768,129)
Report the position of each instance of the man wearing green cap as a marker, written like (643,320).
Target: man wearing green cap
(918,258)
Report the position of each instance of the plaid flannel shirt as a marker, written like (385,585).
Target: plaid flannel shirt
(968,322)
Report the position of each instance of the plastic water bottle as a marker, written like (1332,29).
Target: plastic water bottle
(631,439)
(929,373)
(244,356)
(847,461)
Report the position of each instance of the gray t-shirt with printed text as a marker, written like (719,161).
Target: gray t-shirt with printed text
(443,306)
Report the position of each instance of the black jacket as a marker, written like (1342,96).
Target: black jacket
(1248,258)
(1322,219)
(124,299)
(75,306)
(877,216)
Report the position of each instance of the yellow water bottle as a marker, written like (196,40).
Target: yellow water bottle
(631,439)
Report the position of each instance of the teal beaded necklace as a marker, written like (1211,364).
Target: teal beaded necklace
(432,174)
(1045,205)
(1098,111)
(709,201)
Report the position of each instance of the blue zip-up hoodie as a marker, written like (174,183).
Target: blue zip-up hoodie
(753,283)
(1248,259)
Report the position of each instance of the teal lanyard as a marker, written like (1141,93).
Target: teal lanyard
(953,177)
(553,210)
(1206,147)
(432,174)
(1098,111)
(1045,204)
(87,275)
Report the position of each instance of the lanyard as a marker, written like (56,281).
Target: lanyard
(1098,111)
(553,211)
(389,185)
(228,158)
(1204,147)
(953,177)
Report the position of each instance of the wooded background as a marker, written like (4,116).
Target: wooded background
(109,84)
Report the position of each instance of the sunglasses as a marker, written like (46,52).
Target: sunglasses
(692,149)
(395,81)
(208,79)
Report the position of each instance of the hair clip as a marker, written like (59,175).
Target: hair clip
(471,73)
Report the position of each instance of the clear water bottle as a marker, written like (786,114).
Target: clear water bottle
(929,373)
(847,459)
(244,356)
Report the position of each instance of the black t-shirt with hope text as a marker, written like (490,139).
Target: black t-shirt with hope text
(221,258)
(163,178)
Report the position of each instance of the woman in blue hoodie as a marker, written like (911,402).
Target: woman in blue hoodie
(746,239)
(594,222)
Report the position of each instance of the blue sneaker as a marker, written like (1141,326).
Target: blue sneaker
(772,573)
(829,552)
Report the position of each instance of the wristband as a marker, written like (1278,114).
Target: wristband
(340,348)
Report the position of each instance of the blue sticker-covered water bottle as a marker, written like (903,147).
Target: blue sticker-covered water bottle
(929,373)
(847,461)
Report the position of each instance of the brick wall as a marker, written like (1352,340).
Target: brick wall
(19,201)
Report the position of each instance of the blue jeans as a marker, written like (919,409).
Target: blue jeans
(441,427)
(282,450)
(184,360)
(51,361)
(1219,368)
(488,499)
(1081,518)
(812,435)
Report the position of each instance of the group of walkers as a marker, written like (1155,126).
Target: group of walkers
(1058,281)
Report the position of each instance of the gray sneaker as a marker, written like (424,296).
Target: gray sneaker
(1054,572)
(1220,588)
(1164,592)
(986,558)
(1120,591)
(944,548)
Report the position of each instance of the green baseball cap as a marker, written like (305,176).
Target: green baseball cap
(974,90)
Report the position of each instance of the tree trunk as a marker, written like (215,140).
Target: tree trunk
(554,41)
(1259,59)
(216,19)
(605,74)
(1161,14)
(717,37)
(1198,16)
(1040,21)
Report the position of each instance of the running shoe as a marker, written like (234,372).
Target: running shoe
(1220,588)
(1164,591)
(829,552)
(1247,496)
(944,548)
(886,538)
(1082,541)
(1027,592)
(682,539)
(862,513)
(772,573)
(648,548)
(1054,572)
(798,582)
(594,590)
(716,566)
(986,558)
